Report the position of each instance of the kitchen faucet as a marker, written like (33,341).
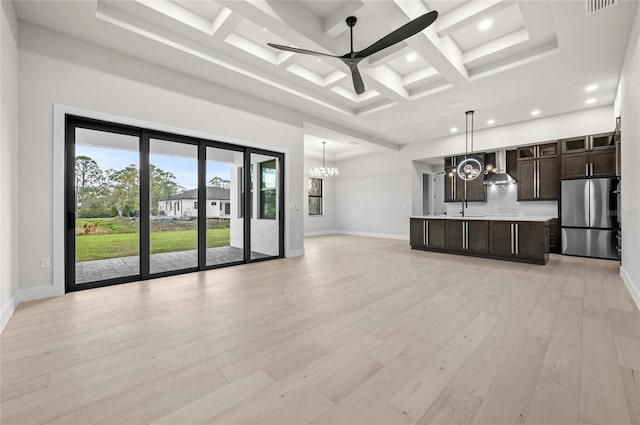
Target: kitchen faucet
(462,207)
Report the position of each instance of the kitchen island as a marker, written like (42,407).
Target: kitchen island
(512,238)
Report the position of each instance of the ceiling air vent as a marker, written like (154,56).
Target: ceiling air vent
(594,6)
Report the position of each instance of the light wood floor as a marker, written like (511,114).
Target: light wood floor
(359,331)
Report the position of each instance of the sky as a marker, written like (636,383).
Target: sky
(185,169)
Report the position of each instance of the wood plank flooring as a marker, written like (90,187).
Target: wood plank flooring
(359,331)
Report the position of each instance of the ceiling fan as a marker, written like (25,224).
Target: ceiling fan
(352,58)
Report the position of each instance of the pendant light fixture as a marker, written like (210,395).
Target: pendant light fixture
(323,171)
(469,168)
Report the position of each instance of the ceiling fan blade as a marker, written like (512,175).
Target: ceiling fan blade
(358,85)
(303,51)
(405,31)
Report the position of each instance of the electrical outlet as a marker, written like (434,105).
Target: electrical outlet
(45,263)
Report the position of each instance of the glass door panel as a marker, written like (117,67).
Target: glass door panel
(173,208)
(224,232)
(265,192)
(106,205)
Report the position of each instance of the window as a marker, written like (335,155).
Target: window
(267,189)
(213,204)
(195,205)
(315,197)
(177,206)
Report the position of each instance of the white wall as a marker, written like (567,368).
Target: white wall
(319,224)
(74,76)
(8,161)
(377,194)
(373,195)
(630,117)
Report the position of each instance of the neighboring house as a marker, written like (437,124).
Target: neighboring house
(185,204)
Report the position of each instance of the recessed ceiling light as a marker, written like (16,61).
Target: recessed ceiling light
(264,28)
(592,87)
(590,101)
(453,129)
(484,25)
(491,122)
(535,112)
(412,57)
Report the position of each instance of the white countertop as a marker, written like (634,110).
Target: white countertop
(487,217)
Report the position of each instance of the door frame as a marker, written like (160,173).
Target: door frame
(72,121)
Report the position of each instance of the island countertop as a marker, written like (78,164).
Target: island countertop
(536,218)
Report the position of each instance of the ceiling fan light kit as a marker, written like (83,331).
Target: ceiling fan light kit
(352,58)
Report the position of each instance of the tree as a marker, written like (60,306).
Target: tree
(123,188)
(219,182)
(163,186)
(88,176)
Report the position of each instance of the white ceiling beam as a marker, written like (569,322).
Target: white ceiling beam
(388,54)
(419,75)
(446,59)
(274,23)
(386,81)
(224,23)
(334,24)
(464,15)
(497,45)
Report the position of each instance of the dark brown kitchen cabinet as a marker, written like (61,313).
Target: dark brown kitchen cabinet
(600,163)
(455,189)
(538,172)
(478,236)
(416,232)
(575,165)
(589,156)
(500,238)
(456,234)
(427,233)
(450,184)
(435,233)
(520,240)
(468,235)
(524,241)
(603,163)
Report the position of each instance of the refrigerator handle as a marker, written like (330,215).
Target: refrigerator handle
(592,204)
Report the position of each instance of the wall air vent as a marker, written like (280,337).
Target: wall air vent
(594,6)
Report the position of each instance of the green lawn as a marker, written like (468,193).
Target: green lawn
(100,247)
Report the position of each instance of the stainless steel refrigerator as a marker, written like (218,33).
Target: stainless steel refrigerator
(589,217)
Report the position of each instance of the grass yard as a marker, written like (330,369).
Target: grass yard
(103,246)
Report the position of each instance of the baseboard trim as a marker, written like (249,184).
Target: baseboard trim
(28,294)
(373,235)
(633,289)
(8,310)
(320,233)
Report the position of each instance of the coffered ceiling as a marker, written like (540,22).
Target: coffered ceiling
(501,58)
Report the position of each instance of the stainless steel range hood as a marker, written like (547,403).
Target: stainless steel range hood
(501,176)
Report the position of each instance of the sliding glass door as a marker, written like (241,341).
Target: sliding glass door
(142,204)
(173,209)
(102,208)
(265,181)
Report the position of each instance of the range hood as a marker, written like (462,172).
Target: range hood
(501,176)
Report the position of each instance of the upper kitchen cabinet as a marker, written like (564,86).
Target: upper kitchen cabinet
(456,189)
(589,156)
(538,172)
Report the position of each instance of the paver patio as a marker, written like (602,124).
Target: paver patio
(94,270)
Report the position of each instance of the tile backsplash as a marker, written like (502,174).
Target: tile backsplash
(501,200)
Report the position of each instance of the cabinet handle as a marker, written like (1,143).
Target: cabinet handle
(512,240)
(517,238)
(426,232)
(592,169)
(586,170)
(466,234)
